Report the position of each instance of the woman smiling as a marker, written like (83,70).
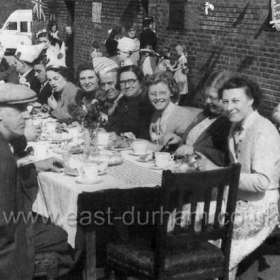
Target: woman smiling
(133,112)
(168,117)
(254,142)
(88,105)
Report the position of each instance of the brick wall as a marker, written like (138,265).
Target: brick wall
(235,36)
(114,13)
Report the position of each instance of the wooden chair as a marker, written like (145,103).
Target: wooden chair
(185,252)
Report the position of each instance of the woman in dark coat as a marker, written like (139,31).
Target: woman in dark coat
(134,111)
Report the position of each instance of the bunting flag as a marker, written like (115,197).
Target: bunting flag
(275,11)
(38,9)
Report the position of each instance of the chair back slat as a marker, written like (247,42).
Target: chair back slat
(206,209)
(179,210)
(206,195)
(221,193)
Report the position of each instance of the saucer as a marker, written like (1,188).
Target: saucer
(145,160)
(154,167)
(88,181)
(136,154)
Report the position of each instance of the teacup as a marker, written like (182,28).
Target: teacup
(140,147)
(103,138)
(89,171)
(162,159)
(41,150)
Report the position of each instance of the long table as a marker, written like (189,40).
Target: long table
(58,197)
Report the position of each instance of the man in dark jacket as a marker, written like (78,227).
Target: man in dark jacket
(24,58)
(148,38)
(45,90)
(20,237)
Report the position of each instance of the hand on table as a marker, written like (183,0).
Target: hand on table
(171,139)
(203,163)
(32,132)
(184,150)
(50,164)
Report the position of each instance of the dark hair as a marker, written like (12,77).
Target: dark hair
(95,45)
(55,41)
(131,68)
(83,67)
(164,52)
(63,71)
(163,77)
(147,21)
(43,34)
(42,60)
(251,88)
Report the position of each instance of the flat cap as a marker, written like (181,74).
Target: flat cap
(16,94)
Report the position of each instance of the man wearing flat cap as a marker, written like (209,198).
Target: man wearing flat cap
(20,238)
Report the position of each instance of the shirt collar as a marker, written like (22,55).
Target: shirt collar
(248,121)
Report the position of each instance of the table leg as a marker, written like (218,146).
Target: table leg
(90,272)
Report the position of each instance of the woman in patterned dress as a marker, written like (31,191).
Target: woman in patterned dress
(255,143)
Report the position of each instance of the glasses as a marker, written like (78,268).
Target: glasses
(129,82)
(119,52)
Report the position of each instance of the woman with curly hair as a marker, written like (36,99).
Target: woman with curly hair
(88,105)
(254,142)
(64,93)
(168,117)
(133,112)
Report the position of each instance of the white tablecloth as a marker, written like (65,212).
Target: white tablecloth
(58,193)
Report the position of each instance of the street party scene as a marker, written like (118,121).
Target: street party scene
(139,139)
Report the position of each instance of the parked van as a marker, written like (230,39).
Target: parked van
(17,30)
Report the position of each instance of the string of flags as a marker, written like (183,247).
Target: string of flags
(38,9)
(275,12)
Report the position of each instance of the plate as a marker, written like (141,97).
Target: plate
(144,160)
(118,149)
(88,182)
(156,167)
(73,173)
(136,154)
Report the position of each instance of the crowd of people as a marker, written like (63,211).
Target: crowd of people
(133,89)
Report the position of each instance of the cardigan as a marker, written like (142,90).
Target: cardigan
(258,151)
(178,121)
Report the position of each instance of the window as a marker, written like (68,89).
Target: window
(176,14)
(23,26)
(12,25)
